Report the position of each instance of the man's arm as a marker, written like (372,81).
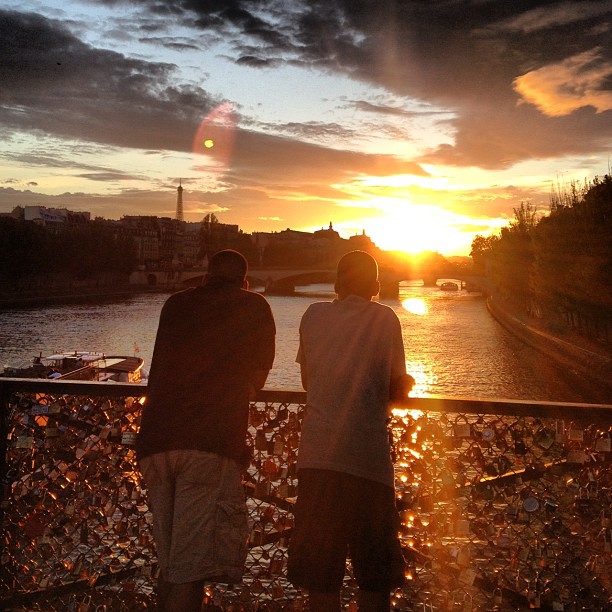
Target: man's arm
(303,376)
(301,359)
(258,379)
(264,347)
(401,383)
(400,387)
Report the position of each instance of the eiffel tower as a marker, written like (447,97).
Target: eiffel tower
(179,202)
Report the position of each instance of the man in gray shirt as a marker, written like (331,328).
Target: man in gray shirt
(353,365)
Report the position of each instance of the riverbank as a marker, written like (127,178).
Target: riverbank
(581,355)
(85,295)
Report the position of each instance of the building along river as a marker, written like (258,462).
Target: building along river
(454,347)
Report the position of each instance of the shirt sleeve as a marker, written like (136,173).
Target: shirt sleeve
(264,337)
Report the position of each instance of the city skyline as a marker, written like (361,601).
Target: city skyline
(423,124)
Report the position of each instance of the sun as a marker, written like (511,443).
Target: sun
(415,228)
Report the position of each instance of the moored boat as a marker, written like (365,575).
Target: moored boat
(449,286)
(81,365)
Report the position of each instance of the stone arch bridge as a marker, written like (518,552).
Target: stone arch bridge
(283,281)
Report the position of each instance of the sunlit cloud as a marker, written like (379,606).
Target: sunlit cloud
(560,89)
(550,16)
(205,208)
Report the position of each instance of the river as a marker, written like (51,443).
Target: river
(454,347)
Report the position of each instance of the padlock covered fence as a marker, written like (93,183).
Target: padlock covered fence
(504,505)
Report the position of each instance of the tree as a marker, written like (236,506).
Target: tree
(482,252)
(512,256)
(573,260)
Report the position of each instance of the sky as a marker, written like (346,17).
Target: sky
(423,123)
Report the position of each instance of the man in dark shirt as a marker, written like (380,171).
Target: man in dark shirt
(214,348)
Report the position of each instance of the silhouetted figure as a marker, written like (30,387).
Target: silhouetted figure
(352,363)
(214,347)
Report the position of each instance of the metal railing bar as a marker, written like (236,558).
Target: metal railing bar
(85,584)
(574,411)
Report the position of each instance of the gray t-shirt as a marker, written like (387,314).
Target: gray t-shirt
(351,349)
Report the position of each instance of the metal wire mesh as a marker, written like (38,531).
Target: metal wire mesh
(497,512)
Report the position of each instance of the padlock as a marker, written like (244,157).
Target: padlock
(584,503)
(607,537)
(262,488)
(84,604)
(462,430)
(277,445)
(463,556)
(520,448)
(603,444)
(576,455)
(544,438)
(497,597)
(277,562)
(270,468)
(575,433)
(530,503)
(283,488)
(261,442)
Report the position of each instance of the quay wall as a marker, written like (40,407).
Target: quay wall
(596,366)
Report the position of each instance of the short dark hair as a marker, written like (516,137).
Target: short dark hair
(357,273)
(228,264)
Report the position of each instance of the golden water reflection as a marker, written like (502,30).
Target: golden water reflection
(415,306)
(424,378)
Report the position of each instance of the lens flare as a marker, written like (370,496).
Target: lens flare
(213,142)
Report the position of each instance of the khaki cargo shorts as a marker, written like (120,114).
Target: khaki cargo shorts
(199,515)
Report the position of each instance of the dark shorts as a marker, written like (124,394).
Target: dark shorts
(338,515)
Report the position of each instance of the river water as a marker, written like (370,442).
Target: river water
(453,345)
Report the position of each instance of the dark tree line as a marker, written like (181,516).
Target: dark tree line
(558,266)
(32,255)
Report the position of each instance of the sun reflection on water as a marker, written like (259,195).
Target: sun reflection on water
(415,306)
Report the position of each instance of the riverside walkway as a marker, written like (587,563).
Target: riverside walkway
(504,505)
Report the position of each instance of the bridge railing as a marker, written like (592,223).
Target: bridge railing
(503,504)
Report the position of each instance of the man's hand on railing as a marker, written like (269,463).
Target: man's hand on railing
(400,388)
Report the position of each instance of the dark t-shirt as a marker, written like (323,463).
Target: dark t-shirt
(209,341)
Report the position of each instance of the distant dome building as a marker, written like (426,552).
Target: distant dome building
(361,242)
(330,233)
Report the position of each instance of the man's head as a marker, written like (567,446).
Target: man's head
(357,275)
(228,266)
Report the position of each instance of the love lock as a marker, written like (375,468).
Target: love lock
(584,503)
(261,442)
(576,433)
(544,437)
(462,430)
(277,563)
(603,444)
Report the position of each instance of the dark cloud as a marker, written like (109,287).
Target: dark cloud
(312,130)
(466,56)
(59,160)
(106,177)
(55,84)
(517,80)
(384,109)
(293,163)
(256,62)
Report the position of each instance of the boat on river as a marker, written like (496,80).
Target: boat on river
(449,286)
(81,365)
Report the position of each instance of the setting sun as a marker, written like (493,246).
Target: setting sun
(414,228)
